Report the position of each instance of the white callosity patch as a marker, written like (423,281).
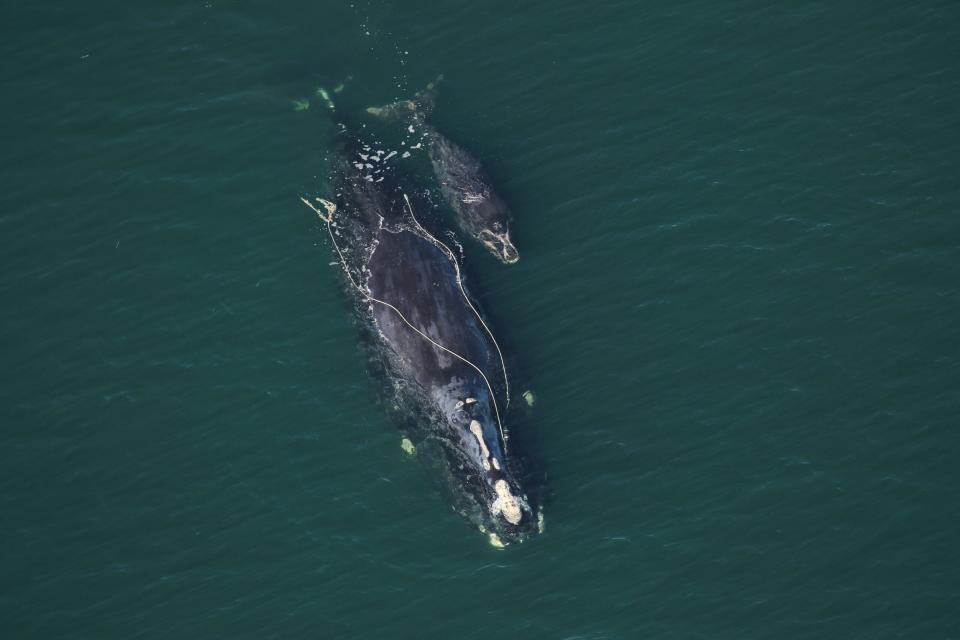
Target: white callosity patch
(477,431)
(471,198)
(506,503)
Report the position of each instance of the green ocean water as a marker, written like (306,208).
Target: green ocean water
(737,306)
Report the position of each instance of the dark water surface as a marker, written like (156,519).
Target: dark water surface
(737,305)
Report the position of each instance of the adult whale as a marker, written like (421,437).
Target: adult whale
(444,363)
(464,183)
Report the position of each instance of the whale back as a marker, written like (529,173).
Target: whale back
(415,277)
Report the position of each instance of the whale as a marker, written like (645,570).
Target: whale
(437,350)
(464,183)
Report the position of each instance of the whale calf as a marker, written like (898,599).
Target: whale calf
(465,185)
(437,350)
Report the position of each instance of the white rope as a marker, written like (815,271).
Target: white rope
(456,265)
(328,218)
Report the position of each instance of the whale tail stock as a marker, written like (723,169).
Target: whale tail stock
(420,106)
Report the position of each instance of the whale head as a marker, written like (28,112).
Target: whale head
(497,240)
(488,490)
(489,223)
(485,216)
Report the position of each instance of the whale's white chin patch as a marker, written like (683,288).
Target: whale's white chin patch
(506,504)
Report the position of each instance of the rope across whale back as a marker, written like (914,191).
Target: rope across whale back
(456,265)
(328,219)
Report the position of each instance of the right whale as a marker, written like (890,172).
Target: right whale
(446,374)
(464,183)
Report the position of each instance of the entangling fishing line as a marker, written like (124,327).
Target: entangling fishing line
(456,265)
(328,218)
